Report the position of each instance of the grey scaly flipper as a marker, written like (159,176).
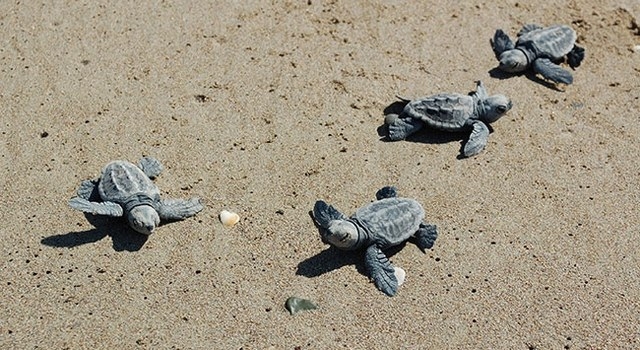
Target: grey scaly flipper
(387,192)
(477,140)
(95,208)
(501,43)
(552,71)
(380,270)
(87,198)
(481,91)
(178,209)
(324,213)
(403,127)
(151,167)
(426,236)
(529,28)
(88,190)
(575,56)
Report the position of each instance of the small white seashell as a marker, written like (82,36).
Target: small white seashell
(400,275)
(229,218)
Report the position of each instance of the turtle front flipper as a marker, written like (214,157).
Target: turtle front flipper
(88,190)
(178,209)
(477,140)
(501,43)
(402,127)
(575,56)
(380,270)
(481,91)
(324,213)
(426,236)
(95,208)
(150,167)
(552,71)
(387,192)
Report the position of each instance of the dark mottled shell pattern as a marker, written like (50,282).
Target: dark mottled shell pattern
(121,179)
(448,112)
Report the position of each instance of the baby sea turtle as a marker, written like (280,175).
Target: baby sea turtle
(539,48)
(387,222)
(451,112)
(124,189)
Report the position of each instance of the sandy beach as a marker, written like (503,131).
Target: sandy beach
(262,109)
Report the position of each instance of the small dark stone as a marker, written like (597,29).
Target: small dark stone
(201,98)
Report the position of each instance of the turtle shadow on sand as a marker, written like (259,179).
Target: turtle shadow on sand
(426,135)
(333,258)
(497,73)
(123,237)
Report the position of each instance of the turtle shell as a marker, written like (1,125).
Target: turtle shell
(120,180)
(448,112)
(390,221)
(552,42)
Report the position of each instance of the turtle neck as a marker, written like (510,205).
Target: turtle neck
(137,200)
(363,234)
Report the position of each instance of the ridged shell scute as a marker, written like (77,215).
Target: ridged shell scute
(553,42)
(121,179)
(448,112)
(391,221)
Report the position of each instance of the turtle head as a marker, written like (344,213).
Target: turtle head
(495,107)
(342,234)
(143,219)
(513,61)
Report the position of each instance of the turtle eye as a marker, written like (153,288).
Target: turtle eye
(501,109)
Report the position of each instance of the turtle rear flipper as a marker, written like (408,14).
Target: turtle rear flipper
(103,208)
(380,270)
(501,43)
(426,236)
(179,209)
(477,140)
(387,192)
(150,167)
(324,213)
(552,71)
(575,56)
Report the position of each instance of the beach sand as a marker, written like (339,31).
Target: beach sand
(263,109)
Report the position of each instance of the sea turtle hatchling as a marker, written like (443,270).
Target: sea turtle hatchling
(539,48)
(124,189)
(451,112)
(387,222)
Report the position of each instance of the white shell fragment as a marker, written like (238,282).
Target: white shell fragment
(229,218)
(400,275)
